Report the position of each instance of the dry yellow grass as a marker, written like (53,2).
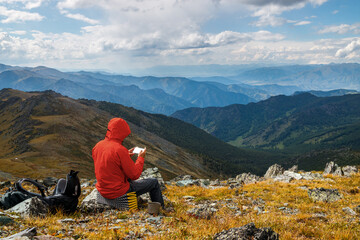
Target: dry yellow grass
(314,220)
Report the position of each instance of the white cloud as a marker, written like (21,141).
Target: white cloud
(342,29)
(301,23)
(269,16)
(351,51)
(28,4)
(144,33)
(18,32)
(81,17)
(335,11)
(18,16)
(33,4)
(269,12)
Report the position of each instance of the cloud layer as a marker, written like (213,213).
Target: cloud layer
(145,33)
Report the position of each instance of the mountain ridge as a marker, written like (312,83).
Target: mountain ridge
(293,125)
(53,133)
(40,130)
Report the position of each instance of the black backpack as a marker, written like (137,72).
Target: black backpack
(65,196)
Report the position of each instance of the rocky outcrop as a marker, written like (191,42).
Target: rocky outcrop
(333,168)
(349,211)
(324,195)
(289,176)
(30,207)
(330,168)
(247,178)
(24,235)
(349,170)
(294,168)
(274,171)
(153,173)
(90,204)
(205,211)
(188,180)
(248,231)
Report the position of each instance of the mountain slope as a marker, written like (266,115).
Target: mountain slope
(293,124)
(217,155)
(46,134)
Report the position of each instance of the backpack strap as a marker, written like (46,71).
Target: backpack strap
(41,188)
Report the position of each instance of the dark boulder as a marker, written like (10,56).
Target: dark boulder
(324,195)
(246,232)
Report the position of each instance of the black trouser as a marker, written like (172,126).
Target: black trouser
(150,185)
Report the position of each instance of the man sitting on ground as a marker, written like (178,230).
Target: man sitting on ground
(116,173)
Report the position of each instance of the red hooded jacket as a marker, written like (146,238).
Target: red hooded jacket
(113,165)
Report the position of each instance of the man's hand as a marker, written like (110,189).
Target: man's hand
(131,152)
(142,153)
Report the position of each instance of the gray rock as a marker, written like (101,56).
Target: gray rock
(333,168)
(205,211)
(357,209)
(204,182)
(189,182)
(294,169)
(30,207)
(153,173)
(188,198)
(234,185)
(154,220)
(247,178)
(330,168)
(289,210)
(26,234)
(259,209)
(349,211)
(85,184)
(311,176)
(45,237)
(248,231)
(182,177)
(90,204)
(349,170)
(4,220)
(324,195)
(338,172)
(274,171)
(66,220)
(215,182)
(50,181)
(283,178)
(294,175)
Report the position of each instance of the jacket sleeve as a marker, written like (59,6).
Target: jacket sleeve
(132,170)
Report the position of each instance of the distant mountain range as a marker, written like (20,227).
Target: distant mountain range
(288,124)
(307,77)
(46,134)
(168,94)
(151,94)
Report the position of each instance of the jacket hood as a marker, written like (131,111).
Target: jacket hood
(118,129)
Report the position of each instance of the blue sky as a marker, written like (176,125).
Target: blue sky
(125,35)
